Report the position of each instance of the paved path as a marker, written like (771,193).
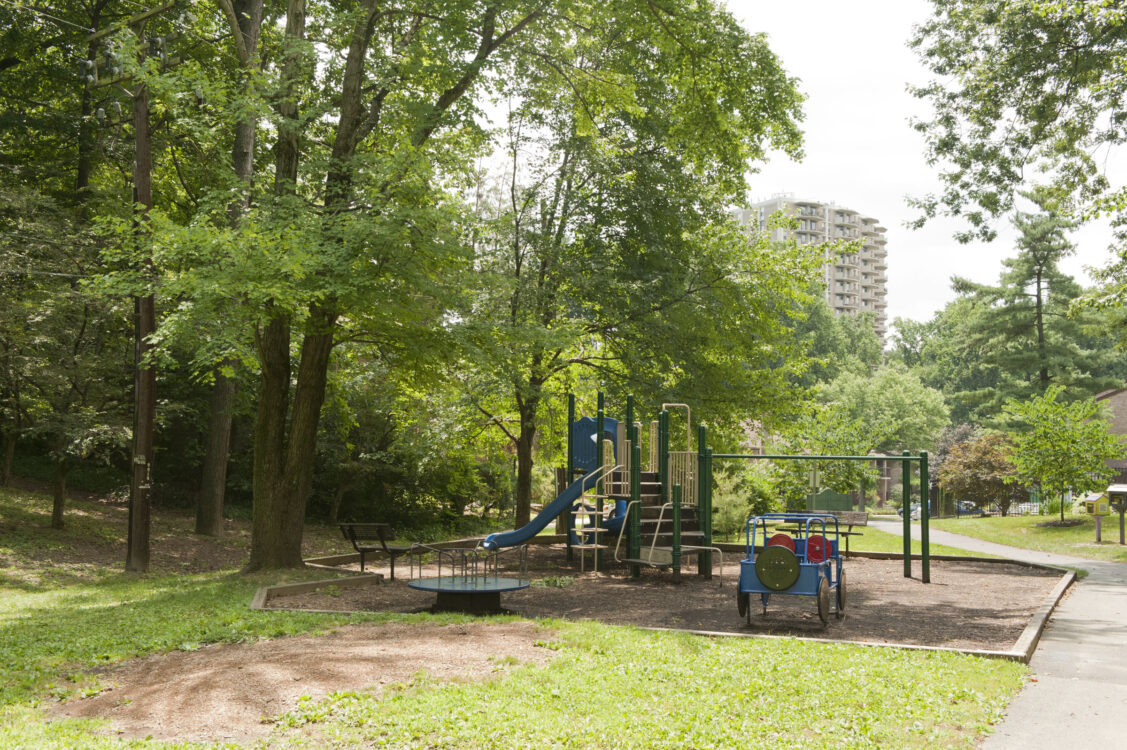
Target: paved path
(1077,697)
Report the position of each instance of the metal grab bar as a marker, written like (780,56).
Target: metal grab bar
(653,545)
(621,531)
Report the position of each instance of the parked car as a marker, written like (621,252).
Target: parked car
(914,513)
(967,508)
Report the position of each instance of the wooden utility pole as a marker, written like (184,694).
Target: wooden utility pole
(144,375)
(144,313)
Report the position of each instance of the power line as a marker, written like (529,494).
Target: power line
(20,6)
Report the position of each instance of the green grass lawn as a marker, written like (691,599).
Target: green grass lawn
(1028,532)
(68,611)
(876,540)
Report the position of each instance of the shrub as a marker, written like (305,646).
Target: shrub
(741,493)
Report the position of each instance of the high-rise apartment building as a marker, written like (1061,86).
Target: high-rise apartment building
(855,282)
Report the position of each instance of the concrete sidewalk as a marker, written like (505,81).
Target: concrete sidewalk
(1077,697)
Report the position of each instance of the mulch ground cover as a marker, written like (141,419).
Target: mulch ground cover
(967,605)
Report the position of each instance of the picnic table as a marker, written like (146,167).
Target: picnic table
(846,518)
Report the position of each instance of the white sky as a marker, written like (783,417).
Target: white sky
(854,65)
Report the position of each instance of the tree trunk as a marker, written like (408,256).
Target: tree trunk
(269,438)
(283,464)
(8,459)
(213,483)
(209,504)
(59,494)
(338,497)
(1043,373)
(525,440)
(144,394)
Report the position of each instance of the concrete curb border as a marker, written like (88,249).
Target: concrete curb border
(266,594)
(1023,649)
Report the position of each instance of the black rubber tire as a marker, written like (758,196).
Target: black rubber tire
(841,592)
(824,601)
(742,602)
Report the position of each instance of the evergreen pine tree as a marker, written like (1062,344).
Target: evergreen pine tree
(1022,327)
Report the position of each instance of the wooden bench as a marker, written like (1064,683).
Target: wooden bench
(363,534)
(849,519)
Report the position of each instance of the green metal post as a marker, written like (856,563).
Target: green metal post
(570,446)
(906,477)
(704,500)
(635,542)
(925,514)
(570,472)
(629,420)
(663,454)
(676,533)
(600,423)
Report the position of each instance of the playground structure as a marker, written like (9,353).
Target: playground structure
(805,564)
(661,509)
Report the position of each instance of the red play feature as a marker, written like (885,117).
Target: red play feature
(817,547)
(781,540)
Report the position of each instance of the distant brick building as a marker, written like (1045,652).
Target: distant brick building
(1116,401)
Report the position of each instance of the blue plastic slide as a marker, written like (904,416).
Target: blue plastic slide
(551,511)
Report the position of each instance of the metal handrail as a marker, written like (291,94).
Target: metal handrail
(618,542)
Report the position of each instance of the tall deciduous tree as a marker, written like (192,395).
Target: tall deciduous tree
(244,18)
(1062,446)
(1021,87)
(608,247)
(356,232)
(892,405)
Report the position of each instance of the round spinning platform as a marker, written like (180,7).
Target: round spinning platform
(471,594)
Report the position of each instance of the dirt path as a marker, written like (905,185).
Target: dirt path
(223,693)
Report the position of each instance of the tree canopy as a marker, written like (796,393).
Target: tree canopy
(1022,87)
